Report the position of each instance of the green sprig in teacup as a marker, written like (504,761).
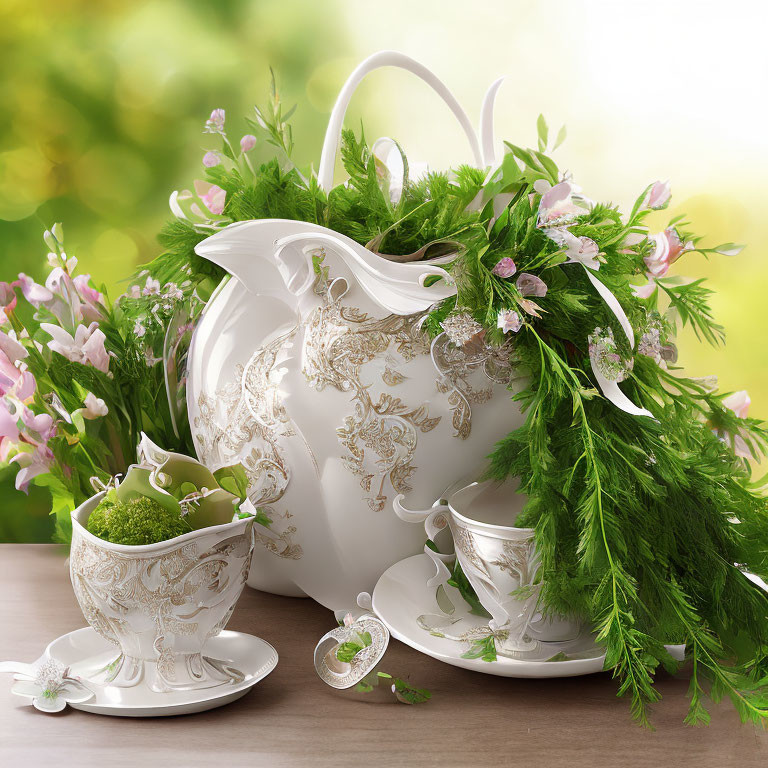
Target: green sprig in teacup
(167,495)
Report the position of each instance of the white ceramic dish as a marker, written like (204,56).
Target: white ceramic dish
(87,653)
(402,596)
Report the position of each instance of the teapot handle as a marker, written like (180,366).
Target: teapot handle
(377,61)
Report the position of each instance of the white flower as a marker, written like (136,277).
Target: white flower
(139,329)
(95,407)
(87,346)
(48,683)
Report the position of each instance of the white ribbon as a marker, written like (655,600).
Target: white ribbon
(611,388)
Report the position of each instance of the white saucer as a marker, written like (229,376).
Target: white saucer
(402,599)
(87,653)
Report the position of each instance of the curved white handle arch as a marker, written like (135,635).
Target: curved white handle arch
(377,61)
(486,123)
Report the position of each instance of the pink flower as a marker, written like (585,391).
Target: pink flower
(248,142)
(215,123)
(509,320)
(31,465)
(668,249)
(11,348)
(87,291)
(659,195)
(86,347)
(504,267)
(39,427)
(9,429)
(557,206)
(93,300)
(15,381)
(213,197)
(738,402)
(34,293)
(7,297)
(530,285)
(211,159)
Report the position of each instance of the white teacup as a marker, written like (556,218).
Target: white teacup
(499,560)
(159,603)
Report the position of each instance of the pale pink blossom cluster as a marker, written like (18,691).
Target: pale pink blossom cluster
(24,435)
(76,307)
(215,123)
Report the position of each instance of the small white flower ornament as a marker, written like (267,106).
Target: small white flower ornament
(48,683)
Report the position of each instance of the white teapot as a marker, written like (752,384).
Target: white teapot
(310,367)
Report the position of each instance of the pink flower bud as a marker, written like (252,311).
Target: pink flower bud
(668,249)
(659,195)
(248,142)
(210,159)
(505,267)
(530,285)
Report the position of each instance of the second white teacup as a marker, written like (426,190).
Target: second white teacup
(499,560)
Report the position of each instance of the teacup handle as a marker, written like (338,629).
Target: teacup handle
(435,520)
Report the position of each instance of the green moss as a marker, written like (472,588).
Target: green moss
(138,521)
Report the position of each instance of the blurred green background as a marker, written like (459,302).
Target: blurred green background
(103,105)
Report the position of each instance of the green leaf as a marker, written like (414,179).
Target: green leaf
(543,132)
(62,505)
(233,479)
(561,135)
(347,651)
(484,649)
(409,695)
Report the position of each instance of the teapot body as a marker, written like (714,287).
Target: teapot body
(334,405)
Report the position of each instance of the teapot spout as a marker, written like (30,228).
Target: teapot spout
(273,256)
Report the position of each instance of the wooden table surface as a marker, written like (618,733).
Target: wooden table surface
(292,719)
